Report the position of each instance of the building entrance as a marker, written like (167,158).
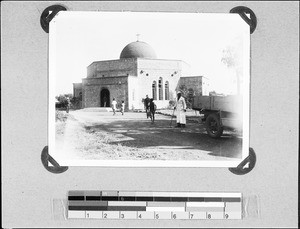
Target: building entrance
(104,98)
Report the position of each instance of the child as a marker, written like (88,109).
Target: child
(114,105)
(152,110)
(123,107)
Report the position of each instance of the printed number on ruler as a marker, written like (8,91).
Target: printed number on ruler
(153,205)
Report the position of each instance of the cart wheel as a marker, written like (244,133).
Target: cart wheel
(213,126)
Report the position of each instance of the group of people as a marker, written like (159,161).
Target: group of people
(114,106)
(150,108)
(180,107)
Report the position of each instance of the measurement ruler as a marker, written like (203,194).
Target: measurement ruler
(153,205)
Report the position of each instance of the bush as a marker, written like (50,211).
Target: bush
(60,116)
(63,100)
(75,102)
(171,104)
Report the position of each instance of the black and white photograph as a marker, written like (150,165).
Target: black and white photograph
(150,89)
(150,114)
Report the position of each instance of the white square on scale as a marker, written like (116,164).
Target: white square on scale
(76,214)
(93,214)
(145,215)
(197,215)
(111,214)
(128,214)
(180,215)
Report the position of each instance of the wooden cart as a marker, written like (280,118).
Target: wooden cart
(220,112)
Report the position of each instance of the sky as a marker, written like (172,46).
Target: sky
(79,38)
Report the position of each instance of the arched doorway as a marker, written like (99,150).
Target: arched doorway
(104,98)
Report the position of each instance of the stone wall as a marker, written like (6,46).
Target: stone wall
(112,68)
(205,86)
(77,88)
(193,83)
(118,88)
(132,79)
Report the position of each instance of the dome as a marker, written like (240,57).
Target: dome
(138,49)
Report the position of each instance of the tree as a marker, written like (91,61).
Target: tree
(62,99)
(188,95)
(75,102)
(183,89)
(232,57)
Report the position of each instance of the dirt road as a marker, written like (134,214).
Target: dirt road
(135,137)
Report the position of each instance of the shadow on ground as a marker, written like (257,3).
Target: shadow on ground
(160,135)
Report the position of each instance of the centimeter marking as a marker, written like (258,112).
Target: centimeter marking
(153,205)
(151,215)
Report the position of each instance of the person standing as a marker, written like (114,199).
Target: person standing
(114,105)
(68,103)
(123,107)
(152,108)
(146,105)
(180,107)
(104,101)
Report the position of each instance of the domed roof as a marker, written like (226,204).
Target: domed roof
(138,49)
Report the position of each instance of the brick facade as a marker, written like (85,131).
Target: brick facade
(197,84)
(112,68)
(92,87)
(77,92)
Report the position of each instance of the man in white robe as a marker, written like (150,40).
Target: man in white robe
(180,107)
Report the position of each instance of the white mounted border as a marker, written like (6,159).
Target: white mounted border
(188,21)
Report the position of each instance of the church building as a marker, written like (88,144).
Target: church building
(137,73)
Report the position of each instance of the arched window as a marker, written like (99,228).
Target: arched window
(154,93)
(160,89)
(167,90)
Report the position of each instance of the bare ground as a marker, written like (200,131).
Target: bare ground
(100,136)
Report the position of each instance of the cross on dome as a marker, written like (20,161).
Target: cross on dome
(137,37)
